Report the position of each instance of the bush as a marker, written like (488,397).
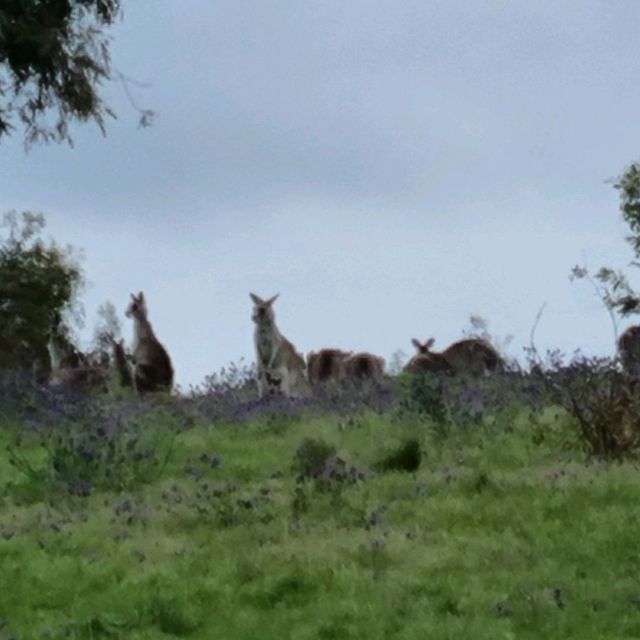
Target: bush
(604,402)
(317,461)
(232,396)
(423,393)
(406,457)
(37,280)
(93,444)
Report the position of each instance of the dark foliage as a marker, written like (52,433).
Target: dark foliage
(20,394)
(93,443)
(612,286)
(55,57)
(470,400)
(605,402)
(37,281)
(423,393)
(311,457)
(448,400)
(628,184)
(317,461)
(225,505)
(406,457)
(97,442)
(231,396)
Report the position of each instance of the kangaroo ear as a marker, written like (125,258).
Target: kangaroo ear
(141,296)
(416,343)
(429,343)
(270,301)
(133,297)
(256,299)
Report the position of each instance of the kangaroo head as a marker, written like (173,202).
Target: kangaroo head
(137,307)
(262,309)
(423,347)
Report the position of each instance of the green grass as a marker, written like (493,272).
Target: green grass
(501,533)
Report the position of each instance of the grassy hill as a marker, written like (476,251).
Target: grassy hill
(153,519)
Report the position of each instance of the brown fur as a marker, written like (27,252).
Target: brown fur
(153,370)
(326,365)
(364,366)
(471,356)
(428,363)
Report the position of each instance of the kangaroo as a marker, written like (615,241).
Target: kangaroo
(364,366)
(69,366)
(425,361)
(471,356)
(326,365)
(153,370)
(120,361)
(280,366)
(629,349)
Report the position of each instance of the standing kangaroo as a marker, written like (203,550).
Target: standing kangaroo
(280,366)
(152,370)
(326,365)
(471,356)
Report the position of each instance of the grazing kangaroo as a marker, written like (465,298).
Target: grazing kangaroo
(364,366)
(69,366)
(629,349)
(152,370)
(280,366)
(425,361)
(326,365)
(121,364)
(471,356)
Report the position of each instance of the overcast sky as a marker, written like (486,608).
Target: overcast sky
(389,167)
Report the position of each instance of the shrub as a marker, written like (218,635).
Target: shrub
(311,457)
(317,461)
(604,402)
(406,457)
(231,396)
(93,443)
(37,280)
(423,393)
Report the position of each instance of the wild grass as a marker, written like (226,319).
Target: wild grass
(315,523)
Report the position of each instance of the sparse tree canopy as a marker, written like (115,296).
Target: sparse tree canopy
(610,285)
(106,331)
(37,281)
(628,184)
(54,57)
